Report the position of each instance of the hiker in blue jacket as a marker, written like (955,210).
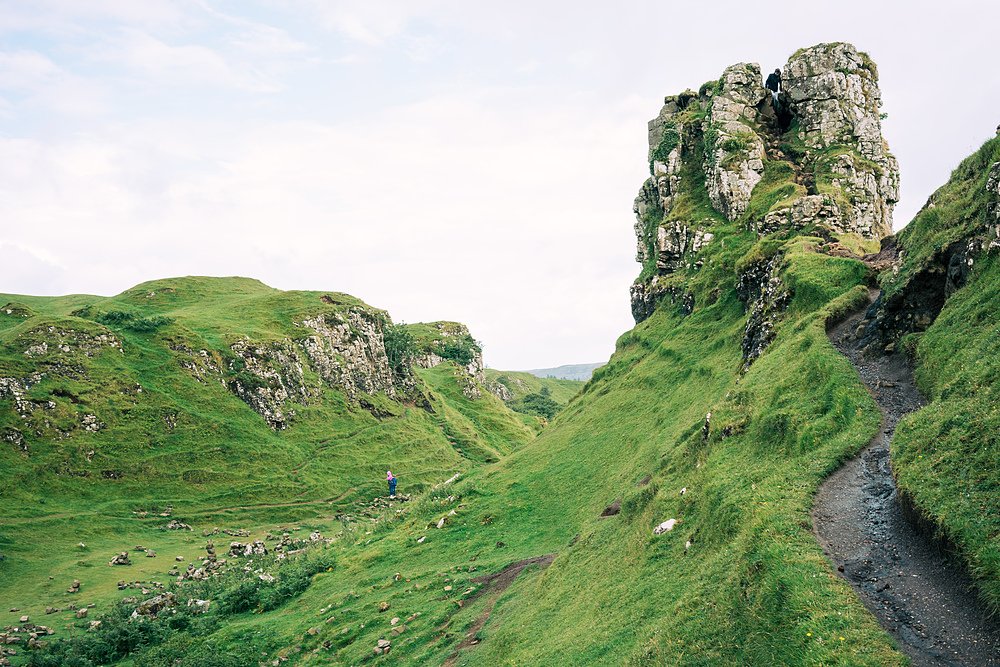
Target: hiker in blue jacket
(392,482)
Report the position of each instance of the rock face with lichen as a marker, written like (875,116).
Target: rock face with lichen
(724,155)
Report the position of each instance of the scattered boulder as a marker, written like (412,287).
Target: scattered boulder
(81,613)
(150,553)
(664,527)
(120,559)
(75,587)
(612,510)
(255,548)
(176,525)
(383,647)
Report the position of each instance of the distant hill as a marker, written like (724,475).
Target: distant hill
(568,372)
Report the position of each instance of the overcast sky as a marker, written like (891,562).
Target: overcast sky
(440,159)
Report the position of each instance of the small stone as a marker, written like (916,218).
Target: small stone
(394,621)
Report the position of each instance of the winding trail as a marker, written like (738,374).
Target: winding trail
(927,604)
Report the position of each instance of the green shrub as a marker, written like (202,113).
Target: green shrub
(398,343)
(461,350)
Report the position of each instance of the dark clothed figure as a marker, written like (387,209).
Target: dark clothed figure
(773,84)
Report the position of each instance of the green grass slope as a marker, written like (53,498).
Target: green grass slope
(114,408)
(522,383)
(946,456)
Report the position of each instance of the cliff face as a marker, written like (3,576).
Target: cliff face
(724,155)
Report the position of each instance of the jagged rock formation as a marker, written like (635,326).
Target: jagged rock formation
(764,294)
(817,162)
(925,274)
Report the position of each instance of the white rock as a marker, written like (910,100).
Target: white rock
(664,527)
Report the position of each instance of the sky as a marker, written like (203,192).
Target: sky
(438,159)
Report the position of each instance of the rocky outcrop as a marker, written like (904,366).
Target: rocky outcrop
(646,298)
(833,92)
(839,171)
(471,376)
(55,351)
(911,304)
(344,350)
(349,352)
(734,152)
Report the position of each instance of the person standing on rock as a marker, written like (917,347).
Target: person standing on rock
(773,84)
(392,483)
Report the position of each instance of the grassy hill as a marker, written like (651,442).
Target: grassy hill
(739,579)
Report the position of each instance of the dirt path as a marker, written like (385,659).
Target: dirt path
(928,605)
(495,584)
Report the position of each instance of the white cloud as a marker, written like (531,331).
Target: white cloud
(267,40)
(26,71)
(373,23)
(29,270)
(184,65)
(486,172)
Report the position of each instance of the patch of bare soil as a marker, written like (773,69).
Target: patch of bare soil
(928,604)
(495,584)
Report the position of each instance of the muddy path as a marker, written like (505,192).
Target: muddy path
(495,584)
(926,603)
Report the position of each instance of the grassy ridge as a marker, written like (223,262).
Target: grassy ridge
(946,456)
(753,588)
